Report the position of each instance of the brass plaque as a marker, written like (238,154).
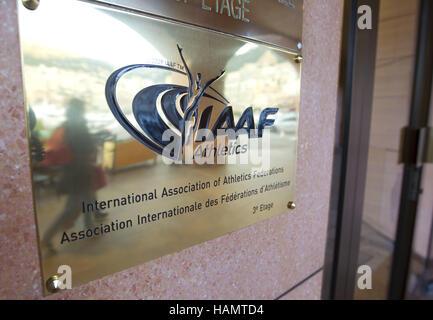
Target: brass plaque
(108,92)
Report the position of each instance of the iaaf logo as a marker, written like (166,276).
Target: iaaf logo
(169,117)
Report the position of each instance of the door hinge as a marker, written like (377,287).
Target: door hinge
(416,145)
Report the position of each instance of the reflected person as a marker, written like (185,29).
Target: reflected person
(72,148)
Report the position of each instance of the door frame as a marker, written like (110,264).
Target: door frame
(357,70)
(411,153)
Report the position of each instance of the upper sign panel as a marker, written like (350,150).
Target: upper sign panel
(280,26)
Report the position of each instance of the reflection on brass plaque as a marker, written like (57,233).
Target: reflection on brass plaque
(103,87)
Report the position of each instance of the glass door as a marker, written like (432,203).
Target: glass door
(380,224)
(395,63)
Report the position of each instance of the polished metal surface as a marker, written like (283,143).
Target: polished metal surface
(52,284)
(31,4)
(100,85)
(277,22)
(291,205)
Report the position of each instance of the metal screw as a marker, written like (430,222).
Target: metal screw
(53,284)
(291,205)
(31,4)
(299,45)
(298,58)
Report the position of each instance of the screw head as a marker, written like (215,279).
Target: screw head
(30,4)
(52,284)
(291,205)
(298,58)
(299,45)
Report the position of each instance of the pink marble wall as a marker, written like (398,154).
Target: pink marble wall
(259,262)
(309,290)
